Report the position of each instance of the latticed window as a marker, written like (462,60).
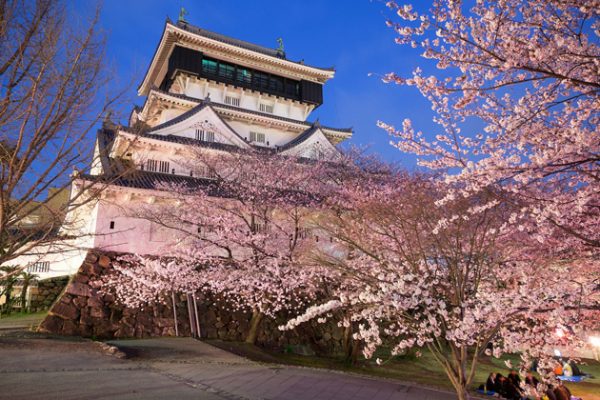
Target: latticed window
(40,266)
(205,136)
(232,101)
(259,227)
(267,108)
(257,137)
(158,166)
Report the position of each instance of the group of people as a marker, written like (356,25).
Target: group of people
(509,387)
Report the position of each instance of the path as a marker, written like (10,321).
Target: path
(20,322)
(175,368)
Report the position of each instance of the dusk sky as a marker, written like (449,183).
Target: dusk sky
(351,36)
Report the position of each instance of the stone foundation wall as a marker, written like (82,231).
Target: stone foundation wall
(46,292)
(83,311)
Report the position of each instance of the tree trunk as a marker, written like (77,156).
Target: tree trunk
(24,295)
(254,324)
(462,393)
(351,346)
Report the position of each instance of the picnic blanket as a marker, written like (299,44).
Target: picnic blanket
(577,378)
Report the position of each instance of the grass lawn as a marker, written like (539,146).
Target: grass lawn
(423,371)
(21,320)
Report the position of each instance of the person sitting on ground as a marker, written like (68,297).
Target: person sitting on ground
(514,378)
(561,392)
(550,393)
(567,370)
(531,380)
(491,384)
(575,368)
(508,390)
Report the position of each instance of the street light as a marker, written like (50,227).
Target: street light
(595,342)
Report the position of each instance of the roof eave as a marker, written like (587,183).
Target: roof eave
(170,29)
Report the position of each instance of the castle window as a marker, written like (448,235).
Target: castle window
(261,80)
(226,71)
(232,101)
(268,108)
(209,66)
(163,167)
(244,75)
(205,136)
(112,225)
(40,266)
(158,166)
(276,83)
(257,137)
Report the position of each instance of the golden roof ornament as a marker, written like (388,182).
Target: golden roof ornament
(280,49)
(182,13)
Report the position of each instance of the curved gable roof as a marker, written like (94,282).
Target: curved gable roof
(191,116)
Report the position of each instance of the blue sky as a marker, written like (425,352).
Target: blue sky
(350,35)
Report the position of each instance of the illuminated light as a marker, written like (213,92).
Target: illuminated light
(557,353)
(595,341)
(560,333)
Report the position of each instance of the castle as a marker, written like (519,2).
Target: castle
(203,90)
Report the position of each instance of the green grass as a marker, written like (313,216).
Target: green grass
(15,316)
(422,371)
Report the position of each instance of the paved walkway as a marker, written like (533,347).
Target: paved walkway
(175,369)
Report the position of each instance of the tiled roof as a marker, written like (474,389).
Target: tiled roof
(154,180)
(180,118)
(240,43)
(300,138)
(190,113)
(191,142)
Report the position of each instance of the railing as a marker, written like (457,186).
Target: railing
(39,267)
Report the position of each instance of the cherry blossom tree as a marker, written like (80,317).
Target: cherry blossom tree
(415,275)
(53,81)
(240,233)
(526,72)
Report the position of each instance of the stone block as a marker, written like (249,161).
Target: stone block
(163,322)
(70,328)
(79,289)
(104,261)
(91,258)
(65,311)
(108,298)
(97,312)
(81,278)
(95,302)
(80,302)
(51,324)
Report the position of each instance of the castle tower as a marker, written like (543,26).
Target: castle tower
(206,90)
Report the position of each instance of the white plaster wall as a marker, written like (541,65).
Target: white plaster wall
(130,234)
(250,100)
(275,137)
(169,114)
(65,257)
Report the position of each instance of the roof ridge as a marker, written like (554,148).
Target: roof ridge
(241,43)
(300,138)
